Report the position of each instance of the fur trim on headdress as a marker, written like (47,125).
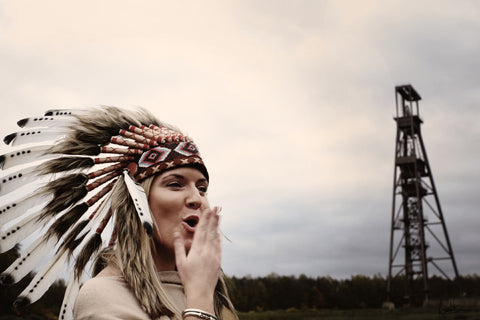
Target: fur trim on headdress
(88,164)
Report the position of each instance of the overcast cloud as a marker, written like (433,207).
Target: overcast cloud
(291,103)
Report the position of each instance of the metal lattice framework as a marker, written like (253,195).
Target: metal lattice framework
(417,220)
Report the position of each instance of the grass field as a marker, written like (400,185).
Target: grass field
(470,313)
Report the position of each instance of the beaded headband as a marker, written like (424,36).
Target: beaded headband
(75,158)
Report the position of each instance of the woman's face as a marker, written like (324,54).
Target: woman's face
(177,199)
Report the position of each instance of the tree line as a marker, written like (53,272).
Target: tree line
(272,292)
(275,292)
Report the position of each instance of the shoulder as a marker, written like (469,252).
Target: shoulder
(102,288)
(107,285)
(107,297)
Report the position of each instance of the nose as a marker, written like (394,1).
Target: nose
(194,199)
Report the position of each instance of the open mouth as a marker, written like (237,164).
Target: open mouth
(191,222)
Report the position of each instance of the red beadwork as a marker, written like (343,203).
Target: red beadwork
(129,143)
(105,170)
(120,150)
(90,202)
(143,131)
(113,159)
(96,210)
(104,222)
(98,182)
(138,137)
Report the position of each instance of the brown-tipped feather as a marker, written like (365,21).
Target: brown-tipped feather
(71,242)
(67,220)
(63,201)
(63,184)
(66,192)
(65,164)
(92,246)
(70,146)
(9,138)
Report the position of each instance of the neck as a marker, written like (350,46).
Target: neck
(163,258)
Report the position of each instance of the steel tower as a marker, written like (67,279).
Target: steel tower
(416,212)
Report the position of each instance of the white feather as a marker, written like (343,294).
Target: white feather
(64,112)
(33,136)
(25,156)
(44,121)
(30,258)
(17,179)
(17,208)
(66,309)
(140,200)
(45,277)
(16,232)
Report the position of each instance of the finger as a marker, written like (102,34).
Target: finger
(213,228)
(204,226)
(214,219)
(179,247)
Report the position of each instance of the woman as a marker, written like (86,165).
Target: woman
(163,260)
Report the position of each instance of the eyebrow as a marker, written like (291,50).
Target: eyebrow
(179,176)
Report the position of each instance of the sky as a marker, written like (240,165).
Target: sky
(291,103)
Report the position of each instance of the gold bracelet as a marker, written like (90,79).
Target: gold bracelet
(198,314)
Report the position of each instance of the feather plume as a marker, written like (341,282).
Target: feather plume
(23,156)
(72,240)
(58,186)
(74,147)
(84,227)
(42,280)
(17,179)
(66,309)
(65,164)
(92,245)
(67,191)
(43,121)
(71,217)
(67,220)
(140,200)
(32,136)
(17,208)
(19,231)
(29,259)
(69,199)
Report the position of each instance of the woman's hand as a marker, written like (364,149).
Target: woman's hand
(199,269)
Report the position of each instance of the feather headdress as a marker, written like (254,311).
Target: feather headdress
(75,160)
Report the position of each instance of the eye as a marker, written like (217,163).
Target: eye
(202,188)
(174,184)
